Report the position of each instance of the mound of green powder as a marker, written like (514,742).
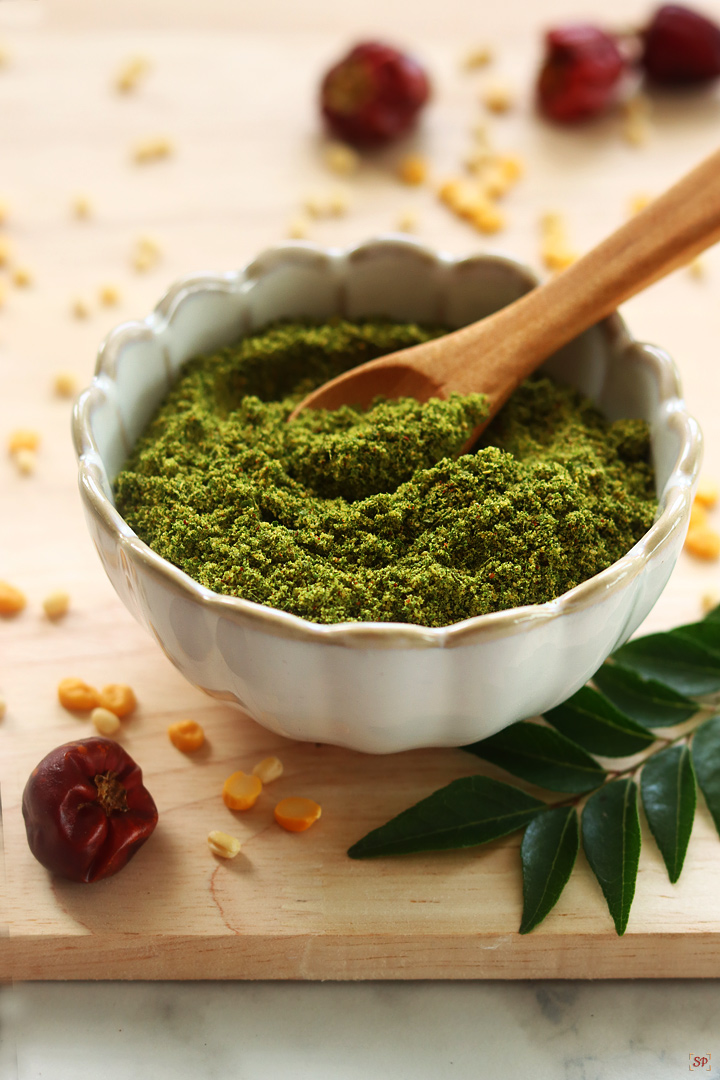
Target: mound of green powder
(370,516)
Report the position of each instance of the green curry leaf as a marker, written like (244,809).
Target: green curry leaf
(706,759)
(667,787)
(611,841)
(542,756)
(652,682)
(592,721)
(548,852)
(469,811)
(675,659)
(647,701)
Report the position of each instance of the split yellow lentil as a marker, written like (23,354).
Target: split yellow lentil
(186,735)
(703,543)
(131,73)
(298,228)
(223,845)
(498,97)
(269,769)
(65,384)
(413,170)
(77,696)
(25,461)
(23,439)
(105,722)
(118,698)
(56,604)
(297,814)
(341,159)
(12,600)
(555,250)
(479,57)
(81,207)
(22,278)
(241,790)
(109,295)
(151,150)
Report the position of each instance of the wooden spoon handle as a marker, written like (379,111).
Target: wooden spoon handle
(675,227)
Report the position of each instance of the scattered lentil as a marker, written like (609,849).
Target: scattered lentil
(224,845)
(131,73)
(323,204)
(639,202)
(118,698)
(350,516)
(21,277)
(338,202)
(79,308)
(146,253)
(109,295)
(269,769)
(703,542)
(413,170)
(23,439)
(151,150)
(77,696)
(5,251)
(636,128)
(3,707)
(479,57)
(25,461)
(555,250)
(697,268)
(12,600)
(498,97)
(241,791)
(297,814)
(341,159)
(186,735)
(105,722)
(407,221)
(81,207)
(56,604)
(298,228)
(65,384)
(468,199)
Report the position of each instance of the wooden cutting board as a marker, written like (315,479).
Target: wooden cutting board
(240,108)
(293,906)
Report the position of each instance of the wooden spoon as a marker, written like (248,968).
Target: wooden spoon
(493,356)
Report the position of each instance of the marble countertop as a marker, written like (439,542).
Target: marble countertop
(350,1031)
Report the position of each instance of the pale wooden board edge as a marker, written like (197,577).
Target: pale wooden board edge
(364,957)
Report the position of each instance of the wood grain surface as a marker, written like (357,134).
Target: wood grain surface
(235,91)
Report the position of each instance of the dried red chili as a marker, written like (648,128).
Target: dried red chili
(86,810)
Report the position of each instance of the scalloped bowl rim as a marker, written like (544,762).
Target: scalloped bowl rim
(674,499)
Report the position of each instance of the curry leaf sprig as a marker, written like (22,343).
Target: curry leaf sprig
(655,682)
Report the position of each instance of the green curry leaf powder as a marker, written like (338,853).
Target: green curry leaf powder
(372,516)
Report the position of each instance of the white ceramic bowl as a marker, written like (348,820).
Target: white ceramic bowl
(376,687)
